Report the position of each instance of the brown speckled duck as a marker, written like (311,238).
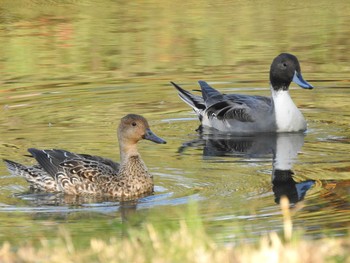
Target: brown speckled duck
(82,174)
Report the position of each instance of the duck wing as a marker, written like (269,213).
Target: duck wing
(210,95)
(50,160)
(85,170)
(54,160)
(238,107)
(105,161)
(227,110)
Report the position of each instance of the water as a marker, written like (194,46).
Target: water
(71,69)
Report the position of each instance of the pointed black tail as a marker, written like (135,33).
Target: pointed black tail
(196,102)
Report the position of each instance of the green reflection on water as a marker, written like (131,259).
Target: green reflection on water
(71,69)
(50,39)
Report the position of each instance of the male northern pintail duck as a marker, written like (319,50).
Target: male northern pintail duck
(82,174)
(237,113)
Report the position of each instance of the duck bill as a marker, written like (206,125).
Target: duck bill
(149,135)
(298,79)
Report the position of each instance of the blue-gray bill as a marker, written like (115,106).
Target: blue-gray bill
(298,79)
(149,135)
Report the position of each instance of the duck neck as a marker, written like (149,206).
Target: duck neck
(131,164)
(281,95)
(127,151)
(288,116)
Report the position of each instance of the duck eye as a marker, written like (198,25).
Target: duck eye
(284,64)
(133,124)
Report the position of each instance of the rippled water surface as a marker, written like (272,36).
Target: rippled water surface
(71,69)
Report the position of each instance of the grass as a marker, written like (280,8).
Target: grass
(187,242)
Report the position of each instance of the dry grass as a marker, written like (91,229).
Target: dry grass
(187,243)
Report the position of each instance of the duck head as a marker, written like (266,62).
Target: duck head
(133,128)
(285,68)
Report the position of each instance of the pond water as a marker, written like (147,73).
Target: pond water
(71,69)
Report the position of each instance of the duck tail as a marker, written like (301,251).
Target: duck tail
(38,179)
(15,168)
(196,102)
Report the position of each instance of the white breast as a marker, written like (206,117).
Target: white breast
(288,116)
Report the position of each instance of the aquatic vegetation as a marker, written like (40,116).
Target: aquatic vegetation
(187,242)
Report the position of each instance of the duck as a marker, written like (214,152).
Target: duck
(88,175)
(238,113)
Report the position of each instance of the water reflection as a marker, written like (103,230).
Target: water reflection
(80,64)
(286,150)
(61,204)
(37,203)
(283,147)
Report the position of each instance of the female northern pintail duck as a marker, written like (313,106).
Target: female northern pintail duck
(82,174)
(237,113)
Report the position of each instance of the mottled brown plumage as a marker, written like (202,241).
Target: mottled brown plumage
(82,174)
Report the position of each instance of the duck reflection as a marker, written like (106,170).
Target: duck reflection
(283,148)
(60,206)
(284,155)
